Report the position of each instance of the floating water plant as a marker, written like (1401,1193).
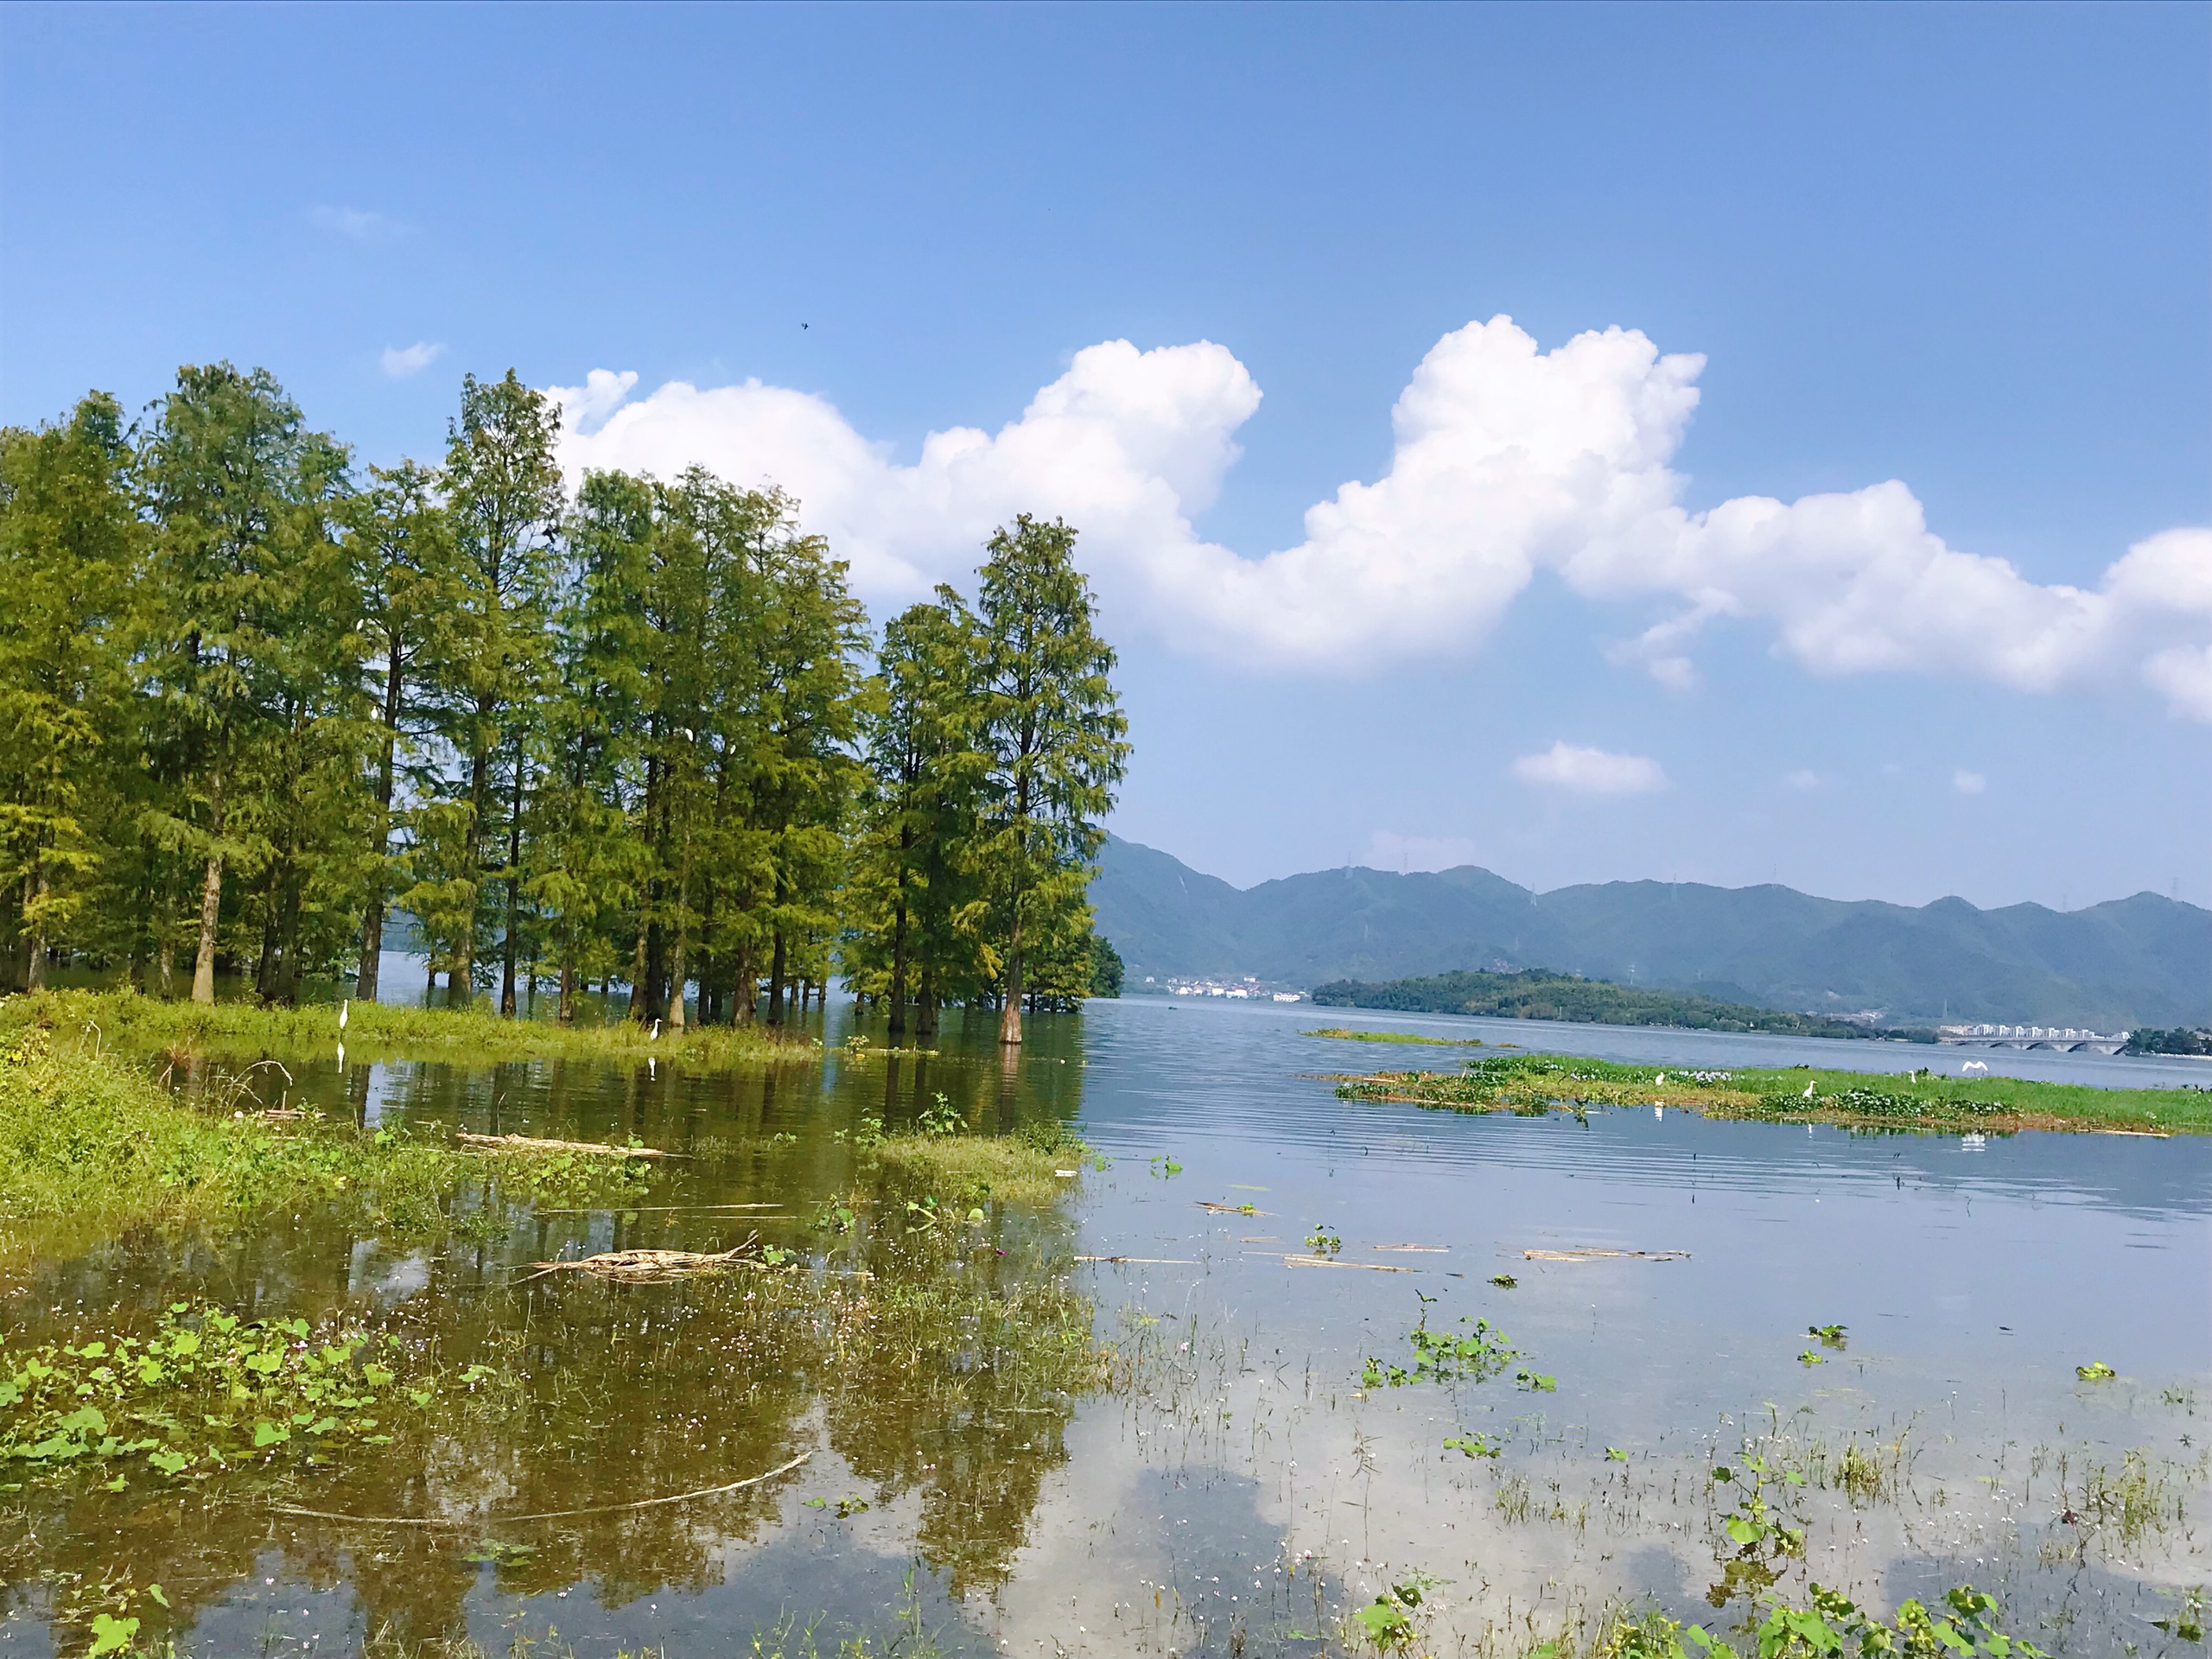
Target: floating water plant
(202,1392)
(2095,1371)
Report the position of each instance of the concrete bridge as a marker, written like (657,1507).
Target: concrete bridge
(2063,1039)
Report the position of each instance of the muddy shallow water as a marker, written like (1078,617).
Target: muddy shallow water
(1242,1473)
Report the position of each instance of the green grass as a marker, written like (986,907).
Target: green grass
(968,1169)
(1345,1036)
(1914,1100)
(90,1145)
(382,1031)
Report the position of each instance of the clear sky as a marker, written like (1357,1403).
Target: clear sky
(1832,509)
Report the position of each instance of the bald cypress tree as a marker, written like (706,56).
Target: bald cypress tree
(1054,739)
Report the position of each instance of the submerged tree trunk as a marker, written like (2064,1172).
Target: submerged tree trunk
(776,980)
(899,965)
(1010,1010)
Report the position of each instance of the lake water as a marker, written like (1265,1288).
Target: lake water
(1241,1479)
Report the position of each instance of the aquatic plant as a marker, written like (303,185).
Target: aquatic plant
(203,1392)
(1535,1083)
(1322,1241)
(89,1145)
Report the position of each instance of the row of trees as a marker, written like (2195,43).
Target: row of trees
(255,701)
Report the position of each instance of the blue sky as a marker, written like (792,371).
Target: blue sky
(1963,248)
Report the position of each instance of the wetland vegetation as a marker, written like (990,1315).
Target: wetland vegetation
(1914,1100)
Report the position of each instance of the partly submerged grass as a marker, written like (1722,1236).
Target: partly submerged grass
(383,1031)
(968,1169)
(93,1144)
(1344,1035)
(1916,1100)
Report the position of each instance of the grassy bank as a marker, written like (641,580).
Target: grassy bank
(1344,1035)
(91,1144)
(380,1031)
(1917,1100)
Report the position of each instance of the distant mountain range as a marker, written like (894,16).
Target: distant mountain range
(2141,961)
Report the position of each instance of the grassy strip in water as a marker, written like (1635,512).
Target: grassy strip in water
(1343,1034)
(385,1031)
(90,1141)
(1535,1083)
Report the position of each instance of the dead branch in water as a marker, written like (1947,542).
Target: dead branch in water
(543,1515)
(528,1143)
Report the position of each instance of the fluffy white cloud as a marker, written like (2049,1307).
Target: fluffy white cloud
(1803,778)
(1591,772)
(1968,783)
(1508,460)
(400,362)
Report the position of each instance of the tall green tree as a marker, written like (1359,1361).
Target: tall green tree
(236,488)
(1055,738)
(505,501)
(912,914)
(585,858)
(406,561)
(69,546)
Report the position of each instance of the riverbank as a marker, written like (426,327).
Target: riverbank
(377,1031)
(1916,1100)
(92,1145)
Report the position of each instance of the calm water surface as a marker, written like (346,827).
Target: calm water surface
(1238,1482)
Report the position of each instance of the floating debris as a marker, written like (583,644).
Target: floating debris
(655,1264)
(1604,1256)
(1232,1209)
(1418,1250)
(1326,1261)
(543,1515)
(528,1143)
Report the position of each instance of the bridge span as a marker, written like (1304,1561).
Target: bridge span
(2061,1039)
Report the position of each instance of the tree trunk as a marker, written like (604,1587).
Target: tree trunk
(566,1014)
(636,1009)
(776,980)
(1010,1012)
(676,970)
(513,952)
(744,987)
(34,929)
(364,979)
(926,1006)
(899,966)
(210,904)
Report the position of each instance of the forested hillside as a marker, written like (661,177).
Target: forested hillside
(2145,960)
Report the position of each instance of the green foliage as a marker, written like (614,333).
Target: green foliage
(1965,1628)
(1539,994)
(1922,1100)
(247,708)
(1052,734)
(201,1392)
(88,1143)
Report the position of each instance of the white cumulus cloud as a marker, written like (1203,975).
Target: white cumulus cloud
(1968,783)
(1508,460)
(1591,772)
(400,362)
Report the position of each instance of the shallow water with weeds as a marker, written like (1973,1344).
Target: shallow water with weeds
(1543,1369)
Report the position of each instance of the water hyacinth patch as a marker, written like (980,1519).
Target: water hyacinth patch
(203,1392)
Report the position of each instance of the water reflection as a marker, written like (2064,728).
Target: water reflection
(1230,1484)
